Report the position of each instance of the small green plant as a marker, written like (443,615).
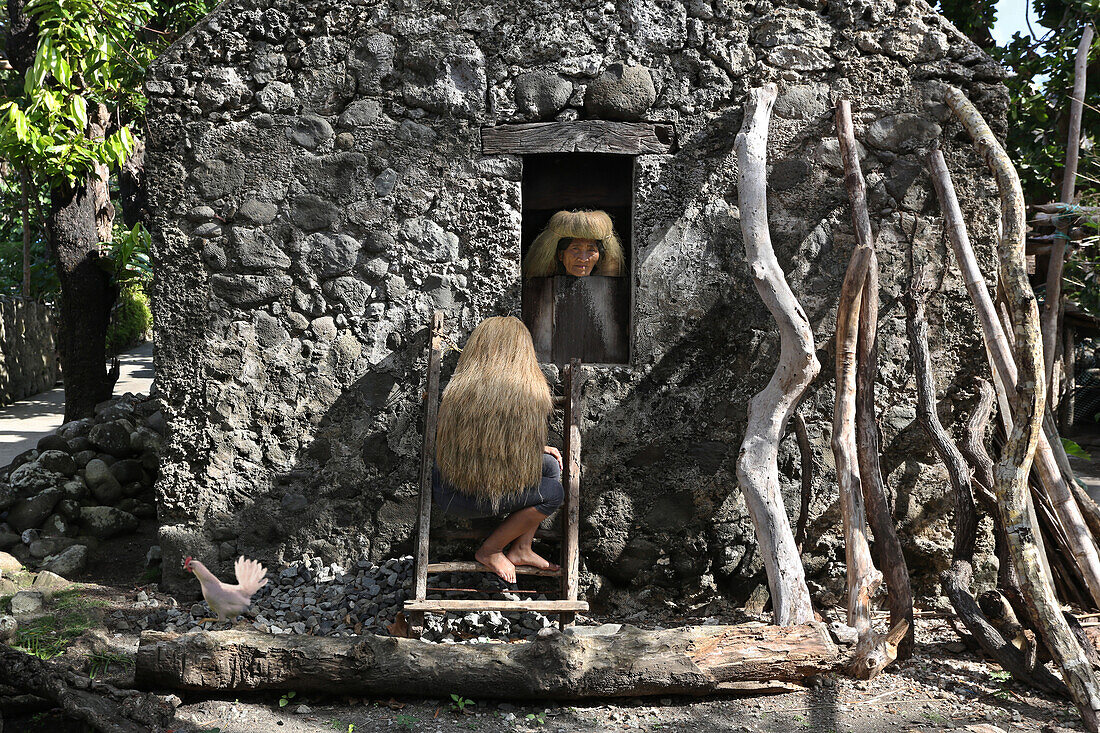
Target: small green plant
(1075,450)
(286,698)
(100,662)
(340,725)
(1000,676)
(460,703)
(536,718)
(70,615)
(131,318)
(406,720)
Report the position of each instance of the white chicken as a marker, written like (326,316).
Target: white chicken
(228,601)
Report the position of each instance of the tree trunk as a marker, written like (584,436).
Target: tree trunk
(132,192)
(101,706)
(771,408)
(75,223)
(694,660)
(806,458)
(1053,300)
(1016,457)
(25,216)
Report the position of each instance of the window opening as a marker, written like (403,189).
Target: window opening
(586,316)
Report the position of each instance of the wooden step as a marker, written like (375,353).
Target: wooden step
(469,566)
(460,604)
(474,533)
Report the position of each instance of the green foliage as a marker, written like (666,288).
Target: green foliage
(536,718)
(459,703)
(69,616)
(131,318)
(286,698)
(129,256)
(406,721)
(100,662)
(1075,450)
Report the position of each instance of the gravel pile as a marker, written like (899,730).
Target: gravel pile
(310,597)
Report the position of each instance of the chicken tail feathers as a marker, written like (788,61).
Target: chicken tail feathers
(250,575)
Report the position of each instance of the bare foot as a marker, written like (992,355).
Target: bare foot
(498,563)
(530,557)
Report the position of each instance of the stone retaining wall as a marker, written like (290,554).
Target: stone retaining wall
(28,355)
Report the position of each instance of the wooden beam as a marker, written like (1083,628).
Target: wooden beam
(584,136)
(463,604)
(470,566)
(625,661)
(570,546)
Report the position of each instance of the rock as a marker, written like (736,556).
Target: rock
(153,556)
(33,511)
(30,478)
(79,443)
(436,244)
(803,102)
(127,471)
(800,58)
(902,133)
(542,94)
(359,113)
(68,508)
(52,442)
(106,521)
(112,438)
(310,131)
(8,538)
(81,458)
(25,602)
(30,535)
(313,213)
(48,583)
(620,93)
(9,565)
(50,546)
(843,633)
(102,483)
(247,291)
(303,710)
(332,254)
(277,96)
(8,627)
(57,525)
(252,212)
(69,563)
(76,489)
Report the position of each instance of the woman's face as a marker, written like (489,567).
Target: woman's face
(580,257)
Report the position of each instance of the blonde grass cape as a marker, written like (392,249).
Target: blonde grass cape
(542,258)
(493,415)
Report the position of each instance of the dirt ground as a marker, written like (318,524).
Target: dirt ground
(944,686)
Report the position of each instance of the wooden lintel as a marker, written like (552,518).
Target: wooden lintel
(583,136)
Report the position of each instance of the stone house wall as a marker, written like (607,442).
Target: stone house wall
(28,354)
(319,187)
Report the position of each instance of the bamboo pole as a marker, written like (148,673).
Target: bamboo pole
(1053,300)
(879,514)
(1019,450)
(771,408)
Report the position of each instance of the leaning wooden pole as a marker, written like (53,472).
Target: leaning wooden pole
(771,408)
(899,593)
(997,343)
(1053,300)
(1011,474)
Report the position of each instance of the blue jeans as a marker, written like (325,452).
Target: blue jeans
(546,497)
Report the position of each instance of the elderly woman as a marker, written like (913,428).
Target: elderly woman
(577,243)
(491,452)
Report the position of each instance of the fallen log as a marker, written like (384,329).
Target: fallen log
(102,707)
(580,663)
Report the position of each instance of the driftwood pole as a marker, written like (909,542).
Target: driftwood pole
(997,343)
(1053,300)
(771,408)
(881,518)
(1016,457)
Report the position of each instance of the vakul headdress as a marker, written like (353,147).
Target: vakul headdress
(542,258)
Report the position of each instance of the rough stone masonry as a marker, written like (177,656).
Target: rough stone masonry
(319,187)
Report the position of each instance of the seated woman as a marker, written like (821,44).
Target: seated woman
(577,243)
(491,452)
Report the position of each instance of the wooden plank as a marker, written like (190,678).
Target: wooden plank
(470,566)
(462,604)
(582,136)
(538,314)
(427,455)
(461,533)
(570,549)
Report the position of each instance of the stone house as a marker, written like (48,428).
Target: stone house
(325,174)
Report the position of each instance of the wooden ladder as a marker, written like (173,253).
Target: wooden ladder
(568,605)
